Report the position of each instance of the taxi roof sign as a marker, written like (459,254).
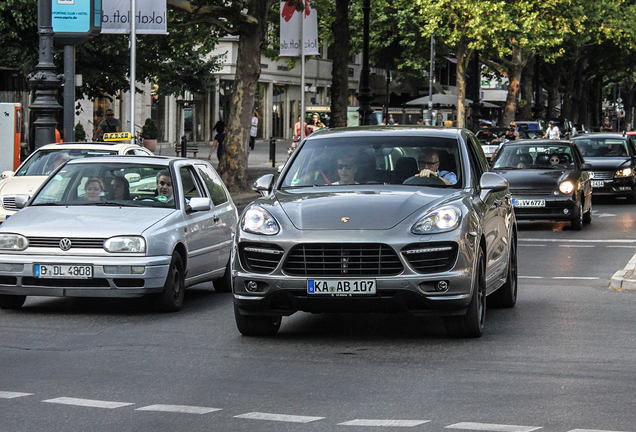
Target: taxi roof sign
(118,136)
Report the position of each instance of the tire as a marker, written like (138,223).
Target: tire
(471,325)
(506,296)
(11,301)
(251,325)
(577,222)
(171,299)
(224,285)
(587,217)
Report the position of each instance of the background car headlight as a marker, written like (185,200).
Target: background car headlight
(566,187)
(441,220)
(259,221)
(125,244)
(625,172)
(13,242)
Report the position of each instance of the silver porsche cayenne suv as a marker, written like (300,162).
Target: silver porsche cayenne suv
(378,219)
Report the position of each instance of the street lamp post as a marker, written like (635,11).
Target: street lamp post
(44,81)
(365,96)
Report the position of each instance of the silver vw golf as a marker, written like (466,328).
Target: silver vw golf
(378,219)
(121,226)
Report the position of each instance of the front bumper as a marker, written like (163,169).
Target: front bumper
(617,187)
(110,276)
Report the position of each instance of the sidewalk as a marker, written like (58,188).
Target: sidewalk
(258,163)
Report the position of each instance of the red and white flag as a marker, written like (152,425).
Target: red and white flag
(290,29)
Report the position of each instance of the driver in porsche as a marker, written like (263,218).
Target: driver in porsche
(428,162)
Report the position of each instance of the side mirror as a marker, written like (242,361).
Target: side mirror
(199,204)
(491,182)
(21,200)
(264,184)
(7,174)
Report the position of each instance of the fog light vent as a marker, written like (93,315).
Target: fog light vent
(251,286)
(441,286)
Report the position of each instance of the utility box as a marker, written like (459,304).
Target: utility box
(10,135)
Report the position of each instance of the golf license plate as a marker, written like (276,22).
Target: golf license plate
(527,203)
(67,271)
(598,183)
(344,287)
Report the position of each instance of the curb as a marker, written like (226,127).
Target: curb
(625,280)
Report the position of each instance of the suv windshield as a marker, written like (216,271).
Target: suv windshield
(121,184)
(384,159)
(44,162)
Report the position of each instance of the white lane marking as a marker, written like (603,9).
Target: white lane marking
(88,402)
(577,246)
(590,430)
(534,245)
(179,409)
(530,277)
(278,417)
(577,240)
(630,247)
(11,395)
(383,423)
(604,214)
(493,427)
(575,277)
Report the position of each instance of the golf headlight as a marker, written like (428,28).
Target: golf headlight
(441,220)
(259,221)
(625,172)
(13,242)
(566,187)
(125,244)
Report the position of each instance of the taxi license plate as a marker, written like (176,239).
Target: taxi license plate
(68,271)
(598,183)
(344,287)
(528,203)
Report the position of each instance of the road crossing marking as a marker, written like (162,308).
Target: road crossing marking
(576,277)
(590,430)
(492,427)
(383,423)
(178,409)
(576,246)
(88,402)
(530,277)
(11,395)
(278,417)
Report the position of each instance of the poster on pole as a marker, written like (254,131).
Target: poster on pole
(290,29)
(151,17)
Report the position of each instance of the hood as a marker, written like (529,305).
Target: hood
(21,185)
(534,178)
(372,209)
(83,221)
(608,163)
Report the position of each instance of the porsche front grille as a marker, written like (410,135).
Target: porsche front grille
(430,258)
(348,259)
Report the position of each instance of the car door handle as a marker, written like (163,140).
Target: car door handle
(216,219)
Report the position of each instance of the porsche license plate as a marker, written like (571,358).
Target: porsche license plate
(528,203)
(345,287)
(68,271)
(598,183)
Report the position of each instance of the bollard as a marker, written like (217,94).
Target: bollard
(184,146)
(272,151)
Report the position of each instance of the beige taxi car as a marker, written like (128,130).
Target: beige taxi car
(37,167)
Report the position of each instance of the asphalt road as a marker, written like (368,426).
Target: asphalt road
(562,360)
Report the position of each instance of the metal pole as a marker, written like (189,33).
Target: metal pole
(133,62)
(44,81)
(386,101)
(302,76)
(69,93)
(365,96)
(431,80)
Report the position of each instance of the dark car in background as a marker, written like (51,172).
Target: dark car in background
(612,159)
(548,180)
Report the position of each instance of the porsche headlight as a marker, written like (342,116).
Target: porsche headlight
(131,244)
(566,187)
(441,220)
(259,221)
(13,242)
(625,172)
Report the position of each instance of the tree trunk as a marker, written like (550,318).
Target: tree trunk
(553,100)
(233,163)
(514,78)
(525,111)
(339,71)
(463,58)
